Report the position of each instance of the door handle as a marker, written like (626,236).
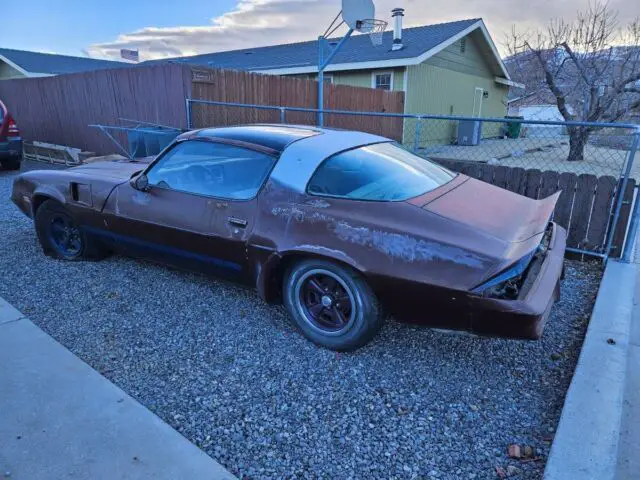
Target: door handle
(238,222)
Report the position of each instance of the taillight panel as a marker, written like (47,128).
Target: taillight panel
(12,129)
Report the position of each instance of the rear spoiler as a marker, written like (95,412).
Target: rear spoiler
(538,217)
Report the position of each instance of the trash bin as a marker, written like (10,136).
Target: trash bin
(514,128)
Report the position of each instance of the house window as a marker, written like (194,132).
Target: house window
(328,78)
(382,80)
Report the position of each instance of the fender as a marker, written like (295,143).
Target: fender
(45,192)
(271,271)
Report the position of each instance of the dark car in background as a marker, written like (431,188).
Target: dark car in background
(10,141)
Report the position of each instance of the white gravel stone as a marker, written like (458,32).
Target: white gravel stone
(231,373)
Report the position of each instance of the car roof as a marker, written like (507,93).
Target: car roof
(273,136)
(300,160)
(301,148)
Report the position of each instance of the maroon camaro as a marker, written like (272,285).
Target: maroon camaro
(340,226)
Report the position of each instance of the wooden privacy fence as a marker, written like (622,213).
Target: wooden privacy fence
(585,207)
(59,109)
(242,87)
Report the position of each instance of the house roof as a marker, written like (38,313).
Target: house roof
(358,52)
(52,64)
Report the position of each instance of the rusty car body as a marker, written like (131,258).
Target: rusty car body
(341,226)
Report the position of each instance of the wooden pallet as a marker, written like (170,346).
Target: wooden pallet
(51,153)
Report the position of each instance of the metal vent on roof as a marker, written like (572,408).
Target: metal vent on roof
(248,53)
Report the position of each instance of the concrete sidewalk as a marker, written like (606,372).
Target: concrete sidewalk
(598,437)
(59,418)
(629,450)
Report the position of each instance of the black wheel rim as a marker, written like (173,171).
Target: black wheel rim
(65,235)
(326,301)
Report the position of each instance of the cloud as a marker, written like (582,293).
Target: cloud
(254,23)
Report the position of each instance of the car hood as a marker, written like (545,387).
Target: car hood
(100,178)
(495,211)
(118,170)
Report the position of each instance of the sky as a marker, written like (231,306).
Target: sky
(160,29)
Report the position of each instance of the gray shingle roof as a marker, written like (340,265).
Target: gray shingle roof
(358,48)
(37,62)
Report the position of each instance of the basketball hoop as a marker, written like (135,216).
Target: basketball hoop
(358,15)
(374,28)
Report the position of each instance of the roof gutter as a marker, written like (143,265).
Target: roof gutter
(15,66)
(510,83)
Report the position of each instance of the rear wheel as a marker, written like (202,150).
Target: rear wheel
(12,163)
(331,304)
(61,236)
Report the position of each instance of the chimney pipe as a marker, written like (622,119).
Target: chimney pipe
(397,14)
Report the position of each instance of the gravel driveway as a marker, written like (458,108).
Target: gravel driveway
(233,376)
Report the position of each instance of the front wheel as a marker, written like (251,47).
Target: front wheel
(331,304)
(61,236)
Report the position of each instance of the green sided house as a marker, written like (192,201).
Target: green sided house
(450,69)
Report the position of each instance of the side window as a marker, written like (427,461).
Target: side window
(383,81)
(212,169)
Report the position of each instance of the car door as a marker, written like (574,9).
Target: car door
(197,211)
(243,174)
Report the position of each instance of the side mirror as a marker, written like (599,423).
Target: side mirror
(141,182)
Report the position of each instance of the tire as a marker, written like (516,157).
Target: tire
(312,292)
(12,163)
(56,227)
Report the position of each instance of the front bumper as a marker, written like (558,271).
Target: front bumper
(525,317)
(21,196)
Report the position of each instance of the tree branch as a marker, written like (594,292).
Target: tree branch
(634,77)
(561,100)
(621,112)
(576,62)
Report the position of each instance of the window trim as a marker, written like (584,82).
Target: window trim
(223,141)
(374,73)
(342,197)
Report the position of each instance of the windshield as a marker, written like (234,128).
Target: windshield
(383,171)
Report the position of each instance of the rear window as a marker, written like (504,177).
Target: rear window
(382,172)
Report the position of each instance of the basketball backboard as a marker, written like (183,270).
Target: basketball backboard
(354,11)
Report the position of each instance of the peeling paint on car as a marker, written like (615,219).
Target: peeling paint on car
(300,215)
(318,203)
(406,247)
(288,213)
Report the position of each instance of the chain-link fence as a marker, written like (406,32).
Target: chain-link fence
(591,163)
(597,149)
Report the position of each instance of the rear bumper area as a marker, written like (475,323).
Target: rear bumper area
(525,317)
(11,148)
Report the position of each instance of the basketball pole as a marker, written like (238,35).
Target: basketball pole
(322,64)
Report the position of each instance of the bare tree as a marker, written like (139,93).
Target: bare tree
(591,66)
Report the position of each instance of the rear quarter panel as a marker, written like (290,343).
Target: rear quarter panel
(405,253)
